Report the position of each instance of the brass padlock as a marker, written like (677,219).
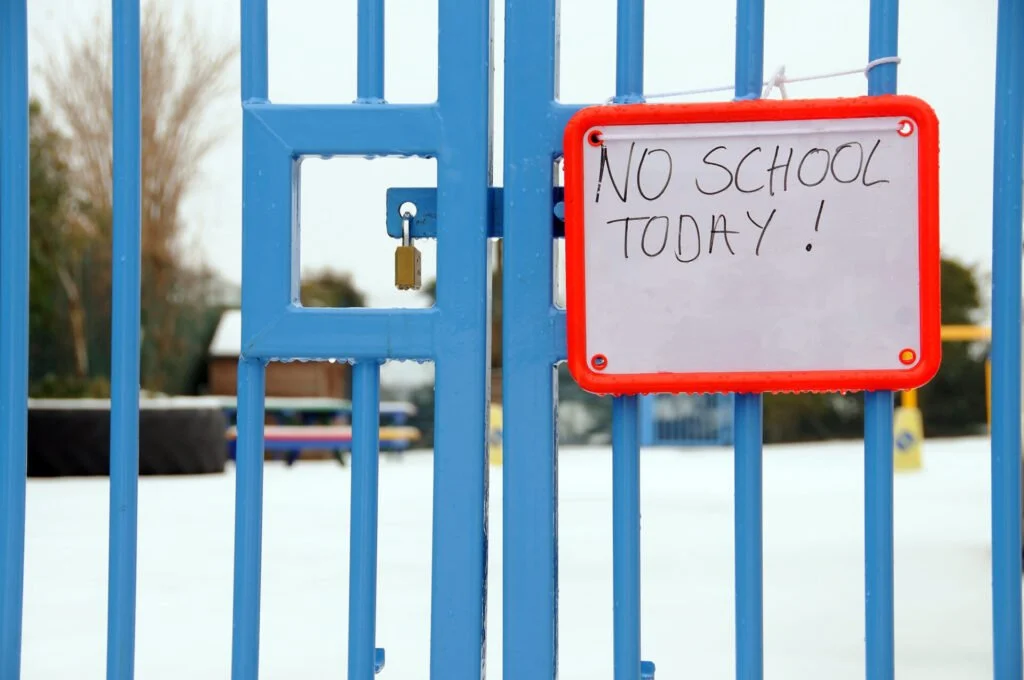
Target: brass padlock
(407,259)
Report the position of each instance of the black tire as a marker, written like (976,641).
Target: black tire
(71,438)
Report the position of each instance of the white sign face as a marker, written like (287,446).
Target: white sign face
(780,254)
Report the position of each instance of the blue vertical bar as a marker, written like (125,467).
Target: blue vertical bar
(362,590)
(370,83)
(254,50)
(124,340)
(629,52)
(462,368)
(629,55)
(878,548)
(629,88)
(248,520)
(749,408)
(529,441)
(251,374)
(878,422)
(14,253)
(1006,341)
(748,537)
(626,537)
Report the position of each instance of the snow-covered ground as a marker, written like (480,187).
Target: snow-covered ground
(813,568)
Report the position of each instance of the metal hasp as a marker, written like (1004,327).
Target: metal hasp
(424,222)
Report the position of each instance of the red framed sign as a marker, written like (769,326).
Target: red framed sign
(756,246)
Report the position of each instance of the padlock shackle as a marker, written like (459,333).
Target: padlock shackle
(406,221)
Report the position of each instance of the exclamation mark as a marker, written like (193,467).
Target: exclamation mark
(817,221)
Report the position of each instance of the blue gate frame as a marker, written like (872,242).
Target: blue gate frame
(456,130)
(454,333)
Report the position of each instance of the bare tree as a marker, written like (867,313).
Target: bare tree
(183,74)
(53,234)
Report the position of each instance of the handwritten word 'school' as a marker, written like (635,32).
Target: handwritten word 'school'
(776,170)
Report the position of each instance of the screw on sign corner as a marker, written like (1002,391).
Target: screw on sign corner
(594,138)
(907,356)
(599,362)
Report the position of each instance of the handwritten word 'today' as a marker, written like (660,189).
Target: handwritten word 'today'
(848,163)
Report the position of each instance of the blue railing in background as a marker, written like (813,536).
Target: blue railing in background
(456,130)
(686,419)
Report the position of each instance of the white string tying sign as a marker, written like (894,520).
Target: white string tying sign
(778,81)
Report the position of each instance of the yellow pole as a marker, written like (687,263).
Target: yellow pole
(909,399)
(988,393)
(965,333)
(495,449)
(908,421)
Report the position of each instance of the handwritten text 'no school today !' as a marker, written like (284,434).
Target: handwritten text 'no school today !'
(773,171)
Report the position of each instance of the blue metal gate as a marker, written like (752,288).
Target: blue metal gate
(454,334)
(456,130)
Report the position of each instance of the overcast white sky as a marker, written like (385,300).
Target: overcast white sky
(947,47)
